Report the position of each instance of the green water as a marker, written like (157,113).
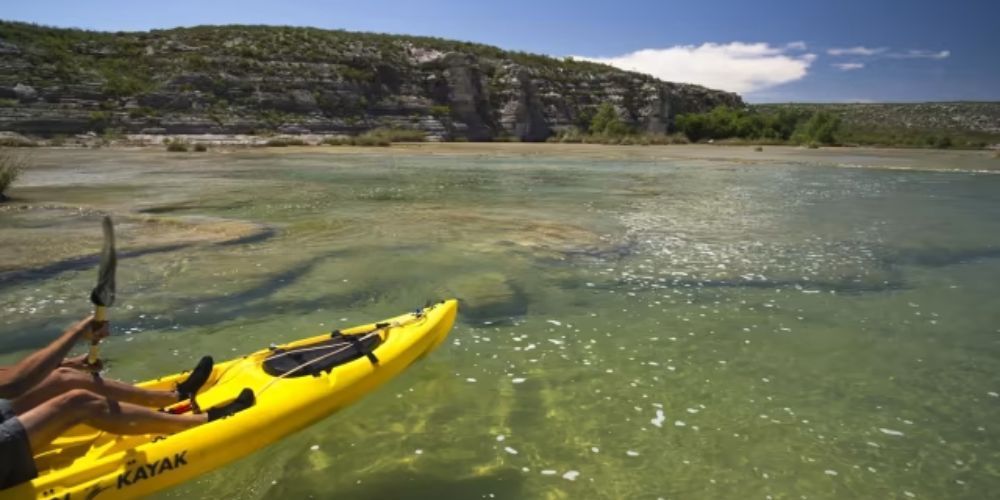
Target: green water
(630,329)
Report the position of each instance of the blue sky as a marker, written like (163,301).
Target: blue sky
(801,50)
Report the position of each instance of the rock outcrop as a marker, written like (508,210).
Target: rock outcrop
(251,79)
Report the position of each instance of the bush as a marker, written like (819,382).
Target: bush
(177,147)
(943,142)
(607,122)
(12,165)
(441,111)
(724,123)
(821,127)
(200,148)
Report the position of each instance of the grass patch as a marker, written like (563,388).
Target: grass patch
(12,165)
(177,146)
(380,137)
(283,142)
(398,134)
(575,136)
(17,142)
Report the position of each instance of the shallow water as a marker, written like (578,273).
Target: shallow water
(630,328)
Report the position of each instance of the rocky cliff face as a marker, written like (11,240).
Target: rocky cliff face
(247,79)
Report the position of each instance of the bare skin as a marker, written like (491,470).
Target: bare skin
(50,394)
(63,380)
(27,373)
(48,420)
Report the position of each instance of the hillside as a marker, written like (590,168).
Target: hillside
(257,79)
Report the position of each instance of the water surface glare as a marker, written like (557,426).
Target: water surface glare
(630,328)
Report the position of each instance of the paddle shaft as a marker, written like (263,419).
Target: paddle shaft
(100,316)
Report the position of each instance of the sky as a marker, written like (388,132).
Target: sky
(767,51)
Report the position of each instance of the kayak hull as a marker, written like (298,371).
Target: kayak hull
(86,463)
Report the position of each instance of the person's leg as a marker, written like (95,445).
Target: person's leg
(63,380)
(46,421)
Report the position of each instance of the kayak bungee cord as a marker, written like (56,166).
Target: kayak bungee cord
(394,324)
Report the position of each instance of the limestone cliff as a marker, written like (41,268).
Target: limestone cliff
(246,79)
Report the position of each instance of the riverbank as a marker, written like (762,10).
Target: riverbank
(845,157)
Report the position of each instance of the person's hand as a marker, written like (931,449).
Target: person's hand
(80,363)
(92,330)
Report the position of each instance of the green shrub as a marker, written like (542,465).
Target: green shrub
(441,111)
(12,165)
(821,127)
(607,122)
(8,103)
(724,123)
(177,146)
(200,148)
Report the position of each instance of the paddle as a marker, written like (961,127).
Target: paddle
(103,295)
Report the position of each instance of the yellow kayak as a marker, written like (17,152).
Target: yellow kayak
(295,385)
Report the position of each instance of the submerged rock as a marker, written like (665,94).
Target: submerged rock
(487,296)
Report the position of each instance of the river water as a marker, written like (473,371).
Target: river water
(630,327)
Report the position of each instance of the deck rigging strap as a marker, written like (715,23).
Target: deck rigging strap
(363,337)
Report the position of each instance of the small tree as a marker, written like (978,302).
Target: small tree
(12,165)
(607,123)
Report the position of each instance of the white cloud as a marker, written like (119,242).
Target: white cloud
(856,51)
(920,54)
(848,66)
(736,67)
(884,52)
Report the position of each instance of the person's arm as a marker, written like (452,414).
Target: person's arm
(30,371)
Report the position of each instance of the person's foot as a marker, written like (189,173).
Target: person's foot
(243,401)
(190,386)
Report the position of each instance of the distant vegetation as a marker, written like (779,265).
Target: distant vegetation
(379,137)
(177,146)
(808,125)
(280,142)
(722,123)
(815,125)
(920,125)
(606,127)
(12,165)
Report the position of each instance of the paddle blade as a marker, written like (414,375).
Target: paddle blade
(104,293)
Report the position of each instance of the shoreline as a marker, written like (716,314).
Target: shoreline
(945,160)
